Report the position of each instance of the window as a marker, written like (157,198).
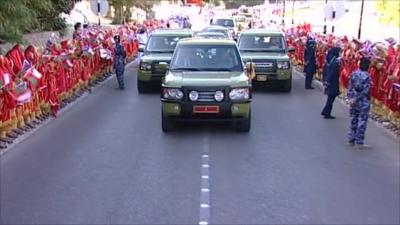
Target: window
(163,44)
(262,43)
(224,22)
(207,57)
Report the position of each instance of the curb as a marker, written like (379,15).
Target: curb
(320,86)
(27,134)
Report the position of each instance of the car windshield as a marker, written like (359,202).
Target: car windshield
(261,43)
(163,43)
(223,31)
(207,58)
(211,35)
(240,19)
(224,22)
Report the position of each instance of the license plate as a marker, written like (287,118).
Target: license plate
(262,78)
(206,109)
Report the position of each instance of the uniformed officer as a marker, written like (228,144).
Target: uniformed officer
(359,99)
(331,74)
(310,64)
(119,62)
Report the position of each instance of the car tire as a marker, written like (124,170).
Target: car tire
(166,124)
(287,86)
(142,87)
(244,125)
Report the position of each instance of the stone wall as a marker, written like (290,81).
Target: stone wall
(37,39)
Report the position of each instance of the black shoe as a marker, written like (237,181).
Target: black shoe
(122,88)
(310,88)
(329,117)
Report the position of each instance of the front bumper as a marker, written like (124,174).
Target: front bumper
(148,76)
(183,111)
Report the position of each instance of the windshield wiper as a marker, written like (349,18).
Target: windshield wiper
(171,51)
(252,50)
(218,69)
(185,68)
(262,50)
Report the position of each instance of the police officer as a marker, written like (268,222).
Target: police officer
(119,62)
(359,99)
(310,63)
(331,74)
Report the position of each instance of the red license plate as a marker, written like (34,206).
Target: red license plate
(206,109)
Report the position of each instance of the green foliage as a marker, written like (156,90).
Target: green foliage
(20,16)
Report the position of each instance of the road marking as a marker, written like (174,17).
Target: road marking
(205,183)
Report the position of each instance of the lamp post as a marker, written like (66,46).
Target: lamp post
(361,16)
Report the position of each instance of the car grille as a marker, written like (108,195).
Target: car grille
(158,68)
(265,67)
(206,96)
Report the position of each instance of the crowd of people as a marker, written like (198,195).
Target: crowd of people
(36,81)
(327,55)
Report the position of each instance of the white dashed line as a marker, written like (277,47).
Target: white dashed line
(205,183)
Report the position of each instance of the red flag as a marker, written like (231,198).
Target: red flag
(33,76)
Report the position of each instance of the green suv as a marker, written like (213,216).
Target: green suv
(157,55)
(268,50)
(207,81)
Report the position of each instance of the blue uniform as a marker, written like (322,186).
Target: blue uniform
(119,64)
(359,92)
(331,79)
(310,67)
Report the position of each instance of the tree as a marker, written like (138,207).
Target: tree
(20,16)
(122,8)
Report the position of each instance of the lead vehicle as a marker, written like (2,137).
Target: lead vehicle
(207,81)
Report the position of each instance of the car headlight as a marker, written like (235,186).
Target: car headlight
(145,66)
(219,96)
(193,96)
(172,93)
(283,65)
(239,94)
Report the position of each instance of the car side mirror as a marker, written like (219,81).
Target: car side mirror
(141,49)
(291,49)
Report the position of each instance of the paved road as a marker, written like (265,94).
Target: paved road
(106,161)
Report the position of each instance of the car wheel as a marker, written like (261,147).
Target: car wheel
(287,86)
(141,87)
(166,124)
(244,125)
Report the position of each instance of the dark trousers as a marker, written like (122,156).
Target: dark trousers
(328,105)
(309,78)
(120,78)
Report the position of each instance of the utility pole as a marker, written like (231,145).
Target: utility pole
(283,13)
(361,16)
(293,12)
(98,10)
(326,3)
